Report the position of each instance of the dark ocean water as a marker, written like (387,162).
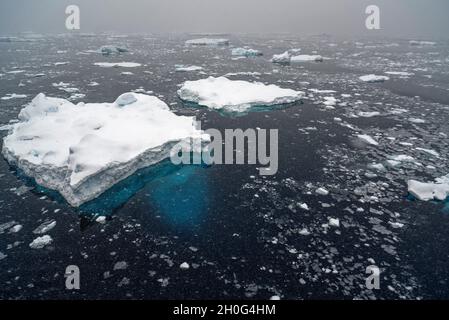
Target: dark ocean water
(241,232)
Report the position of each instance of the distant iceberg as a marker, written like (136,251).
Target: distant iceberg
(281,58)
(235,95)
(207,42)
(84,149)
(246,52)
(373,78)
(183,68)
(112,49)
(117,64)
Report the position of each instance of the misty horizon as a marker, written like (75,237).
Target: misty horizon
(412,19)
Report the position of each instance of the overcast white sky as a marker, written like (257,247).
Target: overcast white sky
(399,18)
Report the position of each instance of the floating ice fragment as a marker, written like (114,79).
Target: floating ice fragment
(373,78)
(41,242)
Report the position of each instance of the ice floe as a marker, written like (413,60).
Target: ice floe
(82,150)
(41,242)
(13,96)
(306,58)
(246,52)
(438,190)
(368,139)
(235,95)
(117,64)
(183,68)
(373,78)
(207,42)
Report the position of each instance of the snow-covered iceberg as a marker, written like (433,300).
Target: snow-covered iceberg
(207,42)
(84,149)
(373,78)
(246,52)
(235,95)
(112,49)
(438,190)
(281,58)
(306,58)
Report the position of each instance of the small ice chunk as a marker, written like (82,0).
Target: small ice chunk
(207,42)
(306,58)
(121,265)
(322,191)
(45,227)
(368,139)
(183,68)
(41,242)
(281,58)
(184,266)
(333,222)
(246,52)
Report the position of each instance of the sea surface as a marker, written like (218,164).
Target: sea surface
(244,236)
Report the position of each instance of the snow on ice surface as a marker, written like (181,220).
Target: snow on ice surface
(82,150)
(373,78)
(246,52)
(235,95)
(207,42)
(117,64)
(306,58)
(438,190)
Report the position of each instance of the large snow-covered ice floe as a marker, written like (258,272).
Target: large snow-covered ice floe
(84,149)
(246,52)
(207,42)
(235,95)
(373,78)
(438,190)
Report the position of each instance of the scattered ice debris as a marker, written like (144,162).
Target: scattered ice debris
(399,73)
(421,43)
(235,95)
(121,265)
(246,52)
(306,58)
(45,227)
(41,242)
(438,190)
(13,96)
(82,150)
(322,191)
(184,266)
(183,68)
(417,120)
(112,49)
(282,58)
(368,139)
(207,42)
(429,151)
(373,78)
(117,64)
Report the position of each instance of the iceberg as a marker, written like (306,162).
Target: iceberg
(306,58)
(235,95)
(112,49)
(84,149)
(373,78)
(117,64)
(246,52)
(207,42)
(282,58)
(439,190)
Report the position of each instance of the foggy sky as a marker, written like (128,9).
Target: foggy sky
(399,18)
